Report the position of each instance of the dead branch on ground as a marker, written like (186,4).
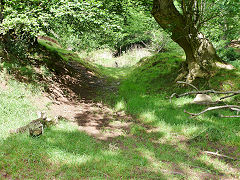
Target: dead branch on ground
(220,155)
(232,107)
(207,92)
(182,82)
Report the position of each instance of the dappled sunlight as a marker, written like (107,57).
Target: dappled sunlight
(238,134)
(176,162)
(115,118)
(105,58)
(132,56)
(179,102)
(120,105)
(171,138)
(145,155)
(16,109)
(223,167)
(141,136)
(148,117)
(101,121)
(159,102)
(61,156)
(113,150)
(115,73)
(154,163)
(189,130)
(164,126)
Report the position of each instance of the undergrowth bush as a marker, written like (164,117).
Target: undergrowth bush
(229,54)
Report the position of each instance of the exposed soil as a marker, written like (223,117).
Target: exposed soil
(3,86)
(70,90)
(70,94)
(4,175)
(96,119)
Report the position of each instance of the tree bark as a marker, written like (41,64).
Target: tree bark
(201,56)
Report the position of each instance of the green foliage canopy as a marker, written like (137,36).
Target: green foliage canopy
(86,24)
(90,23)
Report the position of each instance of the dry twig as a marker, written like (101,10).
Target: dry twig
(228,96)
(220,155)
(182,82)
(232,107)
(206,92)
(229,116)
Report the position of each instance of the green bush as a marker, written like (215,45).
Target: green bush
(228,54)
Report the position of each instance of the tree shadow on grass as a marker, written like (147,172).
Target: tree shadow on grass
(68,155)
(207,132)
(155,111)
(71,154)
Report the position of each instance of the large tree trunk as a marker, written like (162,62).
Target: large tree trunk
(201,57)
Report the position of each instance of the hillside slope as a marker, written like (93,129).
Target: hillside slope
(140,135)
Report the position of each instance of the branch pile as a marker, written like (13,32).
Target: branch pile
(197,92)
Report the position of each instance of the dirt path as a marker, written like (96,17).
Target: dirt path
(95,119)
(70,95)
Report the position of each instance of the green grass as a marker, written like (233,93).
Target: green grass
(146,91)
(163,142)
(104,60)
(67,154)
(145,94)
(15,108)
(68,55)
(104,57)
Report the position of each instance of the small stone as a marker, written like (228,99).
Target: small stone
(202,98)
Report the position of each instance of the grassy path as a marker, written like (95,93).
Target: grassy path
(139,135)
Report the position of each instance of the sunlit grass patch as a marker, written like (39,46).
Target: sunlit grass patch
(105,57)
(148,117)
(236,64)
(64,154)
(114,74)
(68,55)
(182,101)
(114,68)
(226,80)
(220,165)
(146,94)
(120,105)
(53,47)
(16,109)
